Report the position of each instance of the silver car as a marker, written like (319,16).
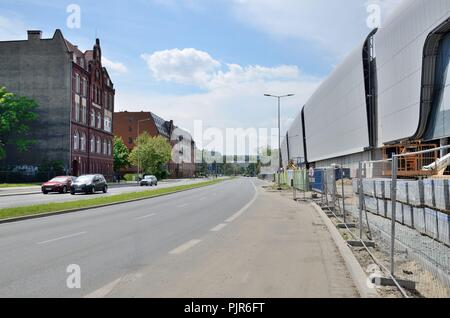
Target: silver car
(149,181)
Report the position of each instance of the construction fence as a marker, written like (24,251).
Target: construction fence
(398,226)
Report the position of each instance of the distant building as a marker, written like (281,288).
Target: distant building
(129,125)
(76,102)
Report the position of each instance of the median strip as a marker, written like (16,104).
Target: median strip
(34,211)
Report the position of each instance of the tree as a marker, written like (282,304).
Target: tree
(151,154)
(121,154)
(16,114)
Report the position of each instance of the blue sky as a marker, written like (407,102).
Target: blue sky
(209,60)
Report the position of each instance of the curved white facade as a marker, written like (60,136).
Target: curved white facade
(295,141)
(399,50)
(336,115)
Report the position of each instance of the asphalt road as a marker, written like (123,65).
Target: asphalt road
(39,198)
(112,242)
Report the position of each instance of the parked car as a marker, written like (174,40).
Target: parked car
(59,184)
(149,181)
(89,184)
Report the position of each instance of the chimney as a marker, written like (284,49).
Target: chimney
(34,35)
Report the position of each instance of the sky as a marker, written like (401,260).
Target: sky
(208,60)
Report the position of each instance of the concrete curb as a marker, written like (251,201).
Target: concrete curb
(356,271)
(44,215)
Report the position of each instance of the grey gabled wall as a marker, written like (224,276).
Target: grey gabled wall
(41,69)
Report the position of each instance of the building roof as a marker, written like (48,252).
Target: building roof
(162,125)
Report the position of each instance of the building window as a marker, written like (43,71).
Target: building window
(76,141)
(130,129)
(130,141)
(99,146)
(83,141)
(105,149)
(85,87)
(92,144)
(83,113)
(77,109)
(78,84)
(109,148)
(99,121)
(108,124)
(92,118)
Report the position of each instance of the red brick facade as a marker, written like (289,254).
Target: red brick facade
(92,114)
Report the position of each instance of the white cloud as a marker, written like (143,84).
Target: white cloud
(198,68)
(187,66)
(233,94)
(116,67)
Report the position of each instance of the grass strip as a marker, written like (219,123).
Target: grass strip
(90,203)
(18,185)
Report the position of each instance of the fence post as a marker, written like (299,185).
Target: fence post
(394,211)
(361,198)
(343,195)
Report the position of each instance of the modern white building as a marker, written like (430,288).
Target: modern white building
(393,87)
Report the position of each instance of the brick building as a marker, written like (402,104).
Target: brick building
(129,125)
(76,102)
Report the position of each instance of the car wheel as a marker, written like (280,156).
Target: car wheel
(45,192)
(105,189)
(72,192)
(63,190)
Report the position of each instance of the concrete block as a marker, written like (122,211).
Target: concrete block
(416,193)
(379,188)
(419,219)
(382,207)
(369,187)
(441,194)
(408,215)
(444,227)
(371,204)
(402,191)
(428,188)
(431,225)
(398,211)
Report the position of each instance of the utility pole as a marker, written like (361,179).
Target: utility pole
(280,163)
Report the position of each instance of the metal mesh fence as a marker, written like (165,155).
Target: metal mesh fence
(399,227)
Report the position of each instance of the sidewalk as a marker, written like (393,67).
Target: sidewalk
(277,248)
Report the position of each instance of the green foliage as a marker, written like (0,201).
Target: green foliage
(121,154)
(151,154)
(55,166)
(16,113)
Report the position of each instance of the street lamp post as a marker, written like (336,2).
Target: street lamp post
(280,163)
(139,156)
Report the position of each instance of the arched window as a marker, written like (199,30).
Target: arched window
(83,141)
(109,148)
(99,146)
(92,144)
(76,141)
(105,150)
(77,110)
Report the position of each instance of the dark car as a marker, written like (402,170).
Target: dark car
(149,181)
(59,184)
(89,184)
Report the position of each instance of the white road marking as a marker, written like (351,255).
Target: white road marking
(145,217)
(245,208)
(218,227)
(183,248)
(104,291)
(62,238)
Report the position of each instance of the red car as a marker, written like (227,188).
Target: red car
(58,184)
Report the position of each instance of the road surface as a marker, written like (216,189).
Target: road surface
(39,198)
(227,240)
